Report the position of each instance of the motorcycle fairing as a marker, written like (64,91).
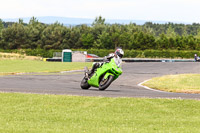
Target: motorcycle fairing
(105,70)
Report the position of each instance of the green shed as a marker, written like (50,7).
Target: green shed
(66,55)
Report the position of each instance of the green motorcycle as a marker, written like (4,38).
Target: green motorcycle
(103,76)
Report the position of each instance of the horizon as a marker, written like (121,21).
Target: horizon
(110,21)
(148,10)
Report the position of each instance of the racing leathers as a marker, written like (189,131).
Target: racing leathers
(99,64)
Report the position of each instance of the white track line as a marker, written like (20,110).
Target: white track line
(140,84)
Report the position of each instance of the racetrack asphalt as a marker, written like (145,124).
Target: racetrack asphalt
(125,86)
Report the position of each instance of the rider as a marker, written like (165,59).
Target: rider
(118,54)
(196,57)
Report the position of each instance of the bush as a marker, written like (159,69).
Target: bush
(105,52)
(148,53)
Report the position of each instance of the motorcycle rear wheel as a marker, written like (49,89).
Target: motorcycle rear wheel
(105,83)
(84,84)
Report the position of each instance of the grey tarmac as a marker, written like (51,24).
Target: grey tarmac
(125,86)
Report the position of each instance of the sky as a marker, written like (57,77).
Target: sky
(149,10)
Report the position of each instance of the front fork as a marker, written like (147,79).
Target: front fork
(86,73)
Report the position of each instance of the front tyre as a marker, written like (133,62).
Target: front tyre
(105,82)
(84,84)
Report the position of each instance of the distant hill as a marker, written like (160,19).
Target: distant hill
(77,21)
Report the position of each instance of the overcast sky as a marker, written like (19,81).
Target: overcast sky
(149,10)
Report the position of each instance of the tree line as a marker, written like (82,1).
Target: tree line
(100,35)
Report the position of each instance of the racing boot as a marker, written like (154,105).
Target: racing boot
(94,67)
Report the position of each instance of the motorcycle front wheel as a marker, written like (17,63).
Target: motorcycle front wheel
(84,84)
(104,83)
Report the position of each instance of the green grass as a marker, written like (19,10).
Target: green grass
(34,113)
(188,83)
(16,66)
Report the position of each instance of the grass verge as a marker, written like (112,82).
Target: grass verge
(35,113)
(187,83)
(20,66)
(12,56)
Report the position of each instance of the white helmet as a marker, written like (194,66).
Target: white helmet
(119,52)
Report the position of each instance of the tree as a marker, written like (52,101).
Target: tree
(104,41)
(163,42)
(75,38)
(35,29)
(124,40)
(20,21)
(198,33)
(170,32)
(1,26)
(52,37)
(99,21)
(87,40)
(115,32)
(15,36)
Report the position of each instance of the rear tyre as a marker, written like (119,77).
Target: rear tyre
(104,83)
(84,84)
